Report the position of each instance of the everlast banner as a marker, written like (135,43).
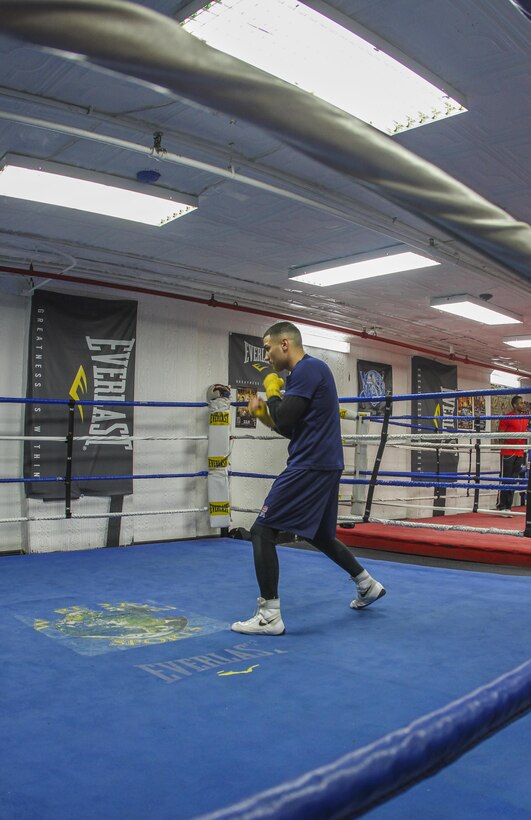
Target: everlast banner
(374,379)
(431,377)
(247,364)
(83,349)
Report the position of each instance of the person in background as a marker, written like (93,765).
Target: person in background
(303,499)
(512,453)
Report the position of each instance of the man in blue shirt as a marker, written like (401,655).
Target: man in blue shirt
(303,499)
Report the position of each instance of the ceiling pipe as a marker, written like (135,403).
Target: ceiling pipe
(347,210)
(362,334)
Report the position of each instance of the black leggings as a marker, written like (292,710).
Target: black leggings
(266,558)
(511,467)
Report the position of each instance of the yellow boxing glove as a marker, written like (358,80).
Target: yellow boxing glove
(261,413)
(272,384)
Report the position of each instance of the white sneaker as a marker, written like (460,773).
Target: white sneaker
(368,592)
(266,621)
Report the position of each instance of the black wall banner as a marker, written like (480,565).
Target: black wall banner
(80,348)
(428,376)
(374,379)
(247,364)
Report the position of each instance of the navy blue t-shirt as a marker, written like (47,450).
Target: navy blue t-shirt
(316,440)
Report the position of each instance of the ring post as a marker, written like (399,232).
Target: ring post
(360,465)
(477,428)
(218,398)
(69,450)
(527,530)
(377,461)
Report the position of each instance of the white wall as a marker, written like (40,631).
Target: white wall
(181,349)
(13,341)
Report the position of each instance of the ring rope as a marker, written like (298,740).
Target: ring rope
(448,448)
(358,519)
(201,474)
(443,437)
(100,515)
(504,483)
(108,439)
(397,522)
(479,416)
(100,402)
(448,394)
(442,484)
(259,438)
(385,503)
(362,780)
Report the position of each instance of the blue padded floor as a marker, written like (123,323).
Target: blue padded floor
(125,695)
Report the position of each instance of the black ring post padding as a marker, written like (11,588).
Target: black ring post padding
(527,530)
(377,461)
(469,469)
(477,429)
(115,522)
(437,493)
(69,450)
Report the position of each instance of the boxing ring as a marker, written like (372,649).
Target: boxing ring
(186,589)
(194,720)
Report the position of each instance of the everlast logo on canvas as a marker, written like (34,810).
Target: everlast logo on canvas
(254,355)
(110,358)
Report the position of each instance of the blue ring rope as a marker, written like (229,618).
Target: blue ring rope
(460,485)
(450,394)
(101,477)
(99,403)
(361,780)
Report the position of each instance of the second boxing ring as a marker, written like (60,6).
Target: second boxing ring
(463,501)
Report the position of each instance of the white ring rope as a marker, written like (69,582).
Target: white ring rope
(40,519)
(260,438)
(358,519)
(444,438)
(451,448)
(113,439)
(384,503)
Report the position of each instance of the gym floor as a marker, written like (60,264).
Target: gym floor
(125,694)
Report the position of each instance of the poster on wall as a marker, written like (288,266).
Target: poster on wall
(243,417)
(374,380)
(429,376)
(501,405)
(470,406)
(83,349)
(247,363)
(465,408)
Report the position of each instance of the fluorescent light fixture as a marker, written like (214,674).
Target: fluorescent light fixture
(517,341)
(324,339)
(53,184)
(392,262)
(334,59)
(476,309)
(506,379)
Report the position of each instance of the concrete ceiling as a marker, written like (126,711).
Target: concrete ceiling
(264,208)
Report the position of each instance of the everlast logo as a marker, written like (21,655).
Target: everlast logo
(255,355)
(448,409)
(79,389)
(220,418)
(219,508)
(217,461)
(110,359)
